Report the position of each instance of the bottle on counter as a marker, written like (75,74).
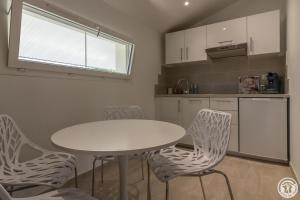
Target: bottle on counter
(194,88)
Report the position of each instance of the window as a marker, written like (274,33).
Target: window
(54,42)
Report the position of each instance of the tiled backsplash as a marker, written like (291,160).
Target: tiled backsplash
(221,76)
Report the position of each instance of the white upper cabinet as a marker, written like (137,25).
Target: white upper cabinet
(264,33)
(186,46)
(174,47)
(227,33)
(195,44)
(261,32)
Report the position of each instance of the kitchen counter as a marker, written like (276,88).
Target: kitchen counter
(225,95)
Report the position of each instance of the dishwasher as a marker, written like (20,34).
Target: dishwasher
(264,127)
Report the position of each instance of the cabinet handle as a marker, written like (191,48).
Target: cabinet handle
(187,53)
(178,106)
(227,41)
(251,45)
(181,53)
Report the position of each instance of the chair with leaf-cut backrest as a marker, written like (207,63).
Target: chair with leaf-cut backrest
(210,131)
(49,168)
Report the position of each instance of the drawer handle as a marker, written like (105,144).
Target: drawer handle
(261,99)
(195,101)
(224,101)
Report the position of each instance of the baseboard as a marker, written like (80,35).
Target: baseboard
(295,173)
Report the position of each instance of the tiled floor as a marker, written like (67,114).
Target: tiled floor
(250,180)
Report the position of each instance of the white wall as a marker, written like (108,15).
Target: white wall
(293,62)
(42,103)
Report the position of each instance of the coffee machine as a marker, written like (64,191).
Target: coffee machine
(270,83)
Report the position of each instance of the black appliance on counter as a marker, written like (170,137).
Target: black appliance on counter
(273,85)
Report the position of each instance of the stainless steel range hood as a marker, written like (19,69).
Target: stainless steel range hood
(227,51)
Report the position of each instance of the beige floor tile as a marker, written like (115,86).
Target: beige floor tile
(250,180)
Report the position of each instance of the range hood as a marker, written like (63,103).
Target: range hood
(227,51)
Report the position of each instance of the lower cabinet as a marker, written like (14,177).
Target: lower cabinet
(259,126)
(182,111)
(191,107)
(264,128)
(229,105)
(169,109)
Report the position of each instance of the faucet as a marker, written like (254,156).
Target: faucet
(186,89)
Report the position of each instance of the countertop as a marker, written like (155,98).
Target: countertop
(225,95)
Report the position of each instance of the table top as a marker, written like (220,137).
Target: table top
(118,137)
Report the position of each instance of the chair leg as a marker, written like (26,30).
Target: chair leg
(76,177)
(167,190)
(148,182)
(202,187)
(227,182)
(142,167)
(11,190)
(102,171)
(93,177)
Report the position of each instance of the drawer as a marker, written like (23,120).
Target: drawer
(204,102)
(224,104)
(234,139)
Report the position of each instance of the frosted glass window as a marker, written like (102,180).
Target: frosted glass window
(46,40)
(51,39)
(106,54)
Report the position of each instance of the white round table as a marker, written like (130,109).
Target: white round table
(119,138)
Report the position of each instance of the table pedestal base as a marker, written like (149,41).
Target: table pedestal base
(123,173)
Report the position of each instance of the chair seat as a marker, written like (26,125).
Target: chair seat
(51,169)
(172,162)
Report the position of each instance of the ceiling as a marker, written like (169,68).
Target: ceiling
(163,15)
(167,15)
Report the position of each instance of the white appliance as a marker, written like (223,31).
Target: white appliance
(264,128)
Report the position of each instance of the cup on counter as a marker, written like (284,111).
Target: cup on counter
(170,90)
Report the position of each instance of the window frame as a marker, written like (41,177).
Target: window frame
(14,43)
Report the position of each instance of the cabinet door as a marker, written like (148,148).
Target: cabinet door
(175,47)
(264,33)
(234,138)
(263,127)
(229,105)
(190,109)
(195,44)
(226,33)
(169,109)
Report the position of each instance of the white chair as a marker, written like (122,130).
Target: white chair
(117,113)
(63,194)
(210,131)
(50,168)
